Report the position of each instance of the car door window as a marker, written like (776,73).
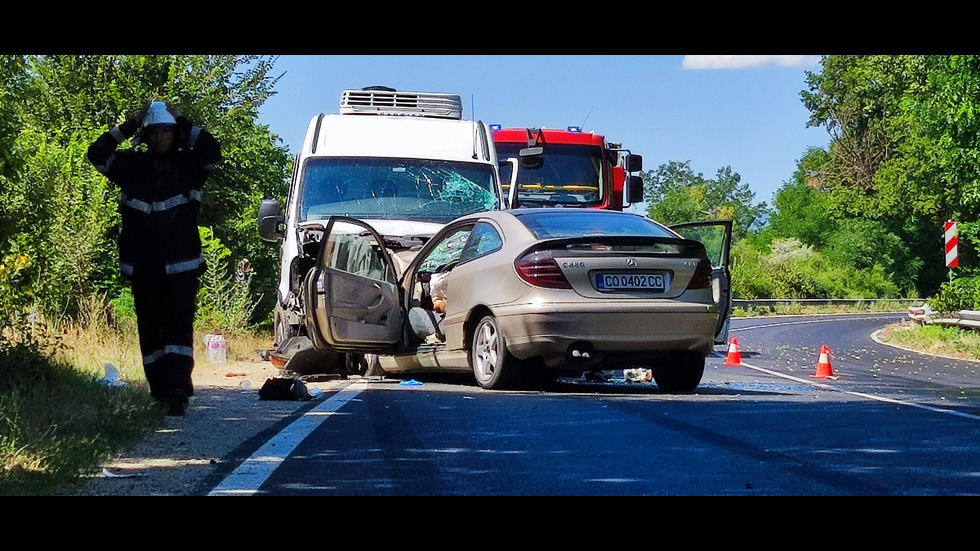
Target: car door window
(355,253)
(716,236)
(446,254)
(483,240)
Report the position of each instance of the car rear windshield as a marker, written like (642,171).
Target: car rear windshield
(562,223)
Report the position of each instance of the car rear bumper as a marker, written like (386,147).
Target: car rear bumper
(630,329)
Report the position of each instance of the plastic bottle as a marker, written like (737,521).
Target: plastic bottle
(216,348)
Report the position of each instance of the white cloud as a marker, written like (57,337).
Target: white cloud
(747,61)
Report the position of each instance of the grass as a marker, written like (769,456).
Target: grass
(955,342)
(58,422)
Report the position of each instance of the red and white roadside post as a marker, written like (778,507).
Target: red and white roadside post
(952,255)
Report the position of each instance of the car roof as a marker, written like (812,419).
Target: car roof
(517,213)
(512,217)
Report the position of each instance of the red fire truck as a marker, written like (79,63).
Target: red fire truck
(568,168)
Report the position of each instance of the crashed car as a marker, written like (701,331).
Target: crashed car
(530,294)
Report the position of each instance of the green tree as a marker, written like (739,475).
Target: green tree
(65,220)
(801,209)
(677,194)
(859,100)
(12,260)
(845,256)
(904,151)
(12,77)
(947,107)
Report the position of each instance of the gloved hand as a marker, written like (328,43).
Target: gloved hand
(174,111)
(138,116)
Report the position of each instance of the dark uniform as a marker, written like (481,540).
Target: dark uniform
(159,245)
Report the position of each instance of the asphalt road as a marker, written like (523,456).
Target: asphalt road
(889,422)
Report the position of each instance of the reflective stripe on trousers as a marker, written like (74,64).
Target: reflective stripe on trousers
(169,349)
(171,269)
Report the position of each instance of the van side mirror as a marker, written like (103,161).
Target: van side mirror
(634,189)
(271,223)
(634,163)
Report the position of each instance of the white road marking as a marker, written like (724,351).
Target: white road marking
(254,471)
(831,387)
(826,386)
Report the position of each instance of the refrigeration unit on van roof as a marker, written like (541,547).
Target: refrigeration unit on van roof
(408,104)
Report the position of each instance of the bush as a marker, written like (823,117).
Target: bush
(792,269)
(224,301)
(959,294)
(750,276)
(123,311)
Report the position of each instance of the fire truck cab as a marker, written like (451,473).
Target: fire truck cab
(568,168)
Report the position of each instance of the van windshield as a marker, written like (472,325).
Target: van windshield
(564,174)
(395,189)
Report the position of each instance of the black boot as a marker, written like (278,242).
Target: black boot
(176,402)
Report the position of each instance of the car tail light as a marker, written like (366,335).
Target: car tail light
(541,270)
(702,276)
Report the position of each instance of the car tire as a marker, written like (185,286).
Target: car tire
(493,366)
(684,375)
(282,330)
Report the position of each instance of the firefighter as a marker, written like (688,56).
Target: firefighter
(159,243)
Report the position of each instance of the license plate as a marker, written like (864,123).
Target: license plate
(632,282)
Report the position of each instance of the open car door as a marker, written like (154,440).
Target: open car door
(352,295)
(716,235)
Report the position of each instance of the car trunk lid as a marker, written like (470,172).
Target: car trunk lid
(618,267)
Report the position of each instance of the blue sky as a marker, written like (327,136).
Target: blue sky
(713,111)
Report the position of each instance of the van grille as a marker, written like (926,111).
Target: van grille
(416,104)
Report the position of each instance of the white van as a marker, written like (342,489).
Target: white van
(405,162)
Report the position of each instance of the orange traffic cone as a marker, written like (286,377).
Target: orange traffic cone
(734,358)
(824,370)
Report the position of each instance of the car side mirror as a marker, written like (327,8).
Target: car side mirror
(271,223)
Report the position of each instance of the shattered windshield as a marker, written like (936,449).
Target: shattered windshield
(562,175)
(395,189)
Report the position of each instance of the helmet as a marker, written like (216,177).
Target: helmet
(157,113)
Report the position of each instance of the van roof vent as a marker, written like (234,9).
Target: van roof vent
(376,100)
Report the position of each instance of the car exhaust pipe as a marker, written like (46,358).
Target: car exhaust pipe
(580,351)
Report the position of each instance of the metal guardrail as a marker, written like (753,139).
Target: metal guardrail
(751,303)
(918,310)
(924,315)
